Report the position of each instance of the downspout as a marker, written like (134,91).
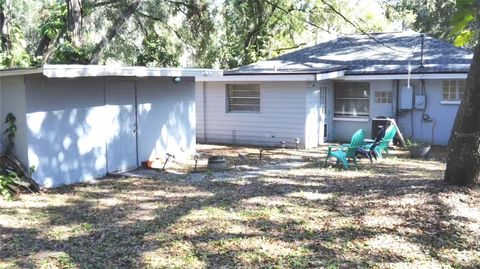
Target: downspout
(395,87)
(425,116)
(395,112)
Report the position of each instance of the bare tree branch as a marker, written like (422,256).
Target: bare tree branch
(113,31)
(328,31)
(140,24)
(177,34)
(304,20)
(355,25)
(104,3)
(292,47)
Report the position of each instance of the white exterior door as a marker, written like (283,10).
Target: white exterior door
(322,114)
(121,126)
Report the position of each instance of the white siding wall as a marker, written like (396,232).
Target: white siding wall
(199,110)
(66,136)
(12,99)
(166,117)
(68,127)
(281,117)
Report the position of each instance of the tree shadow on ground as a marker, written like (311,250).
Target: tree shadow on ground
(269,221)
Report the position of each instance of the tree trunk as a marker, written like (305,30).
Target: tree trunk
(4,38)
(43,45)
(74,21)
(113,31)
(463,162)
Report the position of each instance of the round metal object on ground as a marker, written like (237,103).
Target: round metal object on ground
(421,151)
(217,162)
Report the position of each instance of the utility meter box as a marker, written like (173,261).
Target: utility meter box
(405,98)
(420,101)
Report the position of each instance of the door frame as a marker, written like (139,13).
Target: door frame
(135,111)
(322,101)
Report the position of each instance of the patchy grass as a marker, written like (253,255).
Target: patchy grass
(395,213)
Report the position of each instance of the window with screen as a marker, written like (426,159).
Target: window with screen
(243,98)
(352,99)
(453,89)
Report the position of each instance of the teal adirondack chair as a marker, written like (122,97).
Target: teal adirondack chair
(386,140)
(347,151)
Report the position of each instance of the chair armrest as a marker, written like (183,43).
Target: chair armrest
(336,147)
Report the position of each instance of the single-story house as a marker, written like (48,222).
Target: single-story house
(327,91)
(79,122)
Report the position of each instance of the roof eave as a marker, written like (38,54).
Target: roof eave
(398,76)
(73,71)
(278,76)
(20,72)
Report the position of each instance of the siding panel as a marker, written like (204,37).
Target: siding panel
(281,117)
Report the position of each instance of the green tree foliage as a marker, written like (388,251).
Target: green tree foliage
(200,33)
(14,50)
(159,51)
(448,20)
(465,23)
(256,28)
(260,29)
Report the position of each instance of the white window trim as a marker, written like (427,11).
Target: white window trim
(450,102)
(387,99)
(457,94)
(359,119)
(354,118)
(243,112)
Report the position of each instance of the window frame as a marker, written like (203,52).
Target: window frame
(228,97)
(344,117)
(383,97)
(456,92)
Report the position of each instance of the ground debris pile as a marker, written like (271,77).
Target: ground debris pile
(14,177)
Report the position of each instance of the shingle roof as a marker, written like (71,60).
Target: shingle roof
(376,53)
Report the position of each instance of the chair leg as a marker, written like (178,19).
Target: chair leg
(328,155)
(345,163)
(355,162)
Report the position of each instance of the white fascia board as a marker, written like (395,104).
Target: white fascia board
(330,75)
(73,71)
(404,76)
(19,72)
(238,78)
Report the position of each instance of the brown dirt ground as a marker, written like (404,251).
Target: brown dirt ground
(394,213)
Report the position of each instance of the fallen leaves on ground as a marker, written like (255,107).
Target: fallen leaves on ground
(395,213)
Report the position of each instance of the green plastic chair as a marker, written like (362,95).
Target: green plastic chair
(385,142)
(347,151)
